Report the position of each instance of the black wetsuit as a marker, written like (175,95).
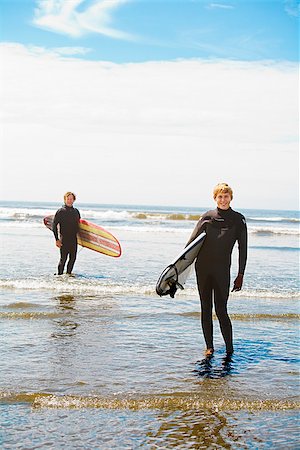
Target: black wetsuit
(223,228)
(68,220)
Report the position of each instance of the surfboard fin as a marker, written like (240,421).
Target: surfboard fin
(171,282)
(172,290)
(174,285)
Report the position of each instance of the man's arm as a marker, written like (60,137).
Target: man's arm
(55,229)
(242,243)
(200,226)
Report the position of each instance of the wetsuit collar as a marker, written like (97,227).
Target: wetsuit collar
(224,210)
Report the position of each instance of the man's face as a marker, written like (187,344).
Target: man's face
(70,200)
(223,200)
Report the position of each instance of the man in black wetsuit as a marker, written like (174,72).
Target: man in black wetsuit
(67,218)
(223,227)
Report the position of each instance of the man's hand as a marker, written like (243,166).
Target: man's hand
(238,283)
(58,243)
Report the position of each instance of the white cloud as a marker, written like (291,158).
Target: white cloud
(155,132)
(69,51)
(58,51)
(219,6)
(64,16)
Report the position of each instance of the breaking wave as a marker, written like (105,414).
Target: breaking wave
(183,401)
(90,286)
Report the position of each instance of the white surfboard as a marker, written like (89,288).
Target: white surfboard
(175,274)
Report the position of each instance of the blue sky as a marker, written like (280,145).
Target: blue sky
(150,102)
(159,29)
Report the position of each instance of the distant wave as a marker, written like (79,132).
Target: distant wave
(274,230)
(23,213)
(274,219)
(86,286)
(277,248)
(19,213)
(141,220)
(106,215)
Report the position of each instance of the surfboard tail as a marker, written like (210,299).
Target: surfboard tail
(176,274)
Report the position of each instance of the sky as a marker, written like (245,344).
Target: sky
(150,101)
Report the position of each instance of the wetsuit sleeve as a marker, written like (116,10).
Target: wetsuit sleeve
(55,223)
(242,243)
(200,226)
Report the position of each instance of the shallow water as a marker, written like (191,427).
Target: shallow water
(127,429)
(99,361)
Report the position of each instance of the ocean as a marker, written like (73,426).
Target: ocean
(99,361)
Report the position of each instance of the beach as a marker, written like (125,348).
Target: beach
(98,360)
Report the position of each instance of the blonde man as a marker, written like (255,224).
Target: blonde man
(223,227)
(67,218)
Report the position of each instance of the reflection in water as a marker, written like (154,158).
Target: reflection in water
(197,428)
(206,369)
(66,301)
(65,326)
(194,429)
(247,354)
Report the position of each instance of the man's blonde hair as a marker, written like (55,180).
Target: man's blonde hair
(67,195)
(222,188)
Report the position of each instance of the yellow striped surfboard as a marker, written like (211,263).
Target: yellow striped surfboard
(93,237)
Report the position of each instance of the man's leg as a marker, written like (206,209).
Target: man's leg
(62,261)
(221,291)
(205,292)
(72,257)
